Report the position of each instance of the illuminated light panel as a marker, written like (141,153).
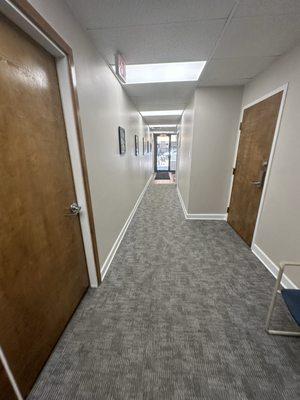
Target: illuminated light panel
(161,113)
(164,72)
(159,132)
(162,126)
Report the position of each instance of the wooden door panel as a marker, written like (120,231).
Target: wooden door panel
(257,132)
(43,271)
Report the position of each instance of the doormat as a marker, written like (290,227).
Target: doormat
(162,175)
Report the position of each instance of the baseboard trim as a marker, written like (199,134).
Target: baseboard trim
(272,267)
(118,241)
(181,202)
(266,261)
(214,217)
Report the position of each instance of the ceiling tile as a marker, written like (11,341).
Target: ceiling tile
(161,96)
(250,8)
(231,70)
(116,13)
(191,41)
(162,120)
(224,82)
(259,36)
(174,30)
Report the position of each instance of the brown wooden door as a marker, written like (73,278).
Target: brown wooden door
(257,132)
(43,271)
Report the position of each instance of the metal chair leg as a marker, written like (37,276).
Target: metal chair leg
(272,305)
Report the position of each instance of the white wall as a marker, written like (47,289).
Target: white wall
(116,181)
(216,120)
(278,234)
(208,135)
(183,171)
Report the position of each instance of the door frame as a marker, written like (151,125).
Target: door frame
(155,150)
(284,89)
(9,375)
(25,16)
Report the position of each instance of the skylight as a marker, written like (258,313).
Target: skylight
(161,113)
(164,72)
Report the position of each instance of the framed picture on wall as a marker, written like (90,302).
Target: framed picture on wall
(148,147)
(143,146)
(122,141)
(136,145)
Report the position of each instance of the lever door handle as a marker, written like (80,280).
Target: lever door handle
(263,173)
(256,183)
(74,210)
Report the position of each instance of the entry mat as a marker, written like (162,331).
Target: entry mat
(162,175)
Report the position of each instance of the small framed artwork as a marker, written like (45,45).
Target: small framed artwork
(136,145)
(122,141)
(143,146)
(148,147)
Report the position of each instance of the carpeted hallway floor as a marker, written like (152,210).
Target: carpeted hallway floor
(180,315)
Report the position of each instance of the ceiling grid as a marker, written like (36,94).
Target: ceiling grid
(238,39)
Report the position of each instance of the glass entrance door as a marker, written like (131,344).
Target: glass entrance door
(162,153)
(165,153)
(173,152)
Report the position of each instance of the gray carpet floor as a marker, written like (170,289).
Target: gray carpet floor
(180,315)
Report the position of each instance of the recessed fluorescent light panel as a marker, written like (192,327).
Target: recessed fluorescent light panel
(161,113)
(164,72)
(162,126)
(159,132)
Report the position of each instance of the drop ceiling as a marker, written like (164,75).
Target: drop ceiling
(239,39)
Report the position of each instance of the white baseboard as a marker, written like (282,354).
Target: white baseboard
(272,267)
(214,217)
(118,241)
(181,202)
(219,217)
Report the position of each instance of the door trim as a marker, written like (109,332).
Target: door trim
(24,15)
(10,375)
(284,89)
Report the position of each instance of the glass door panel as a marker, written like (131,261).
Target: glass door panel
(173,152)
(165,152)
(162,153)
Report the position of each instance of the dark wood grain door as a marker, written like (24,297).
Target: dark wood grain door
(43,272)
(257,132)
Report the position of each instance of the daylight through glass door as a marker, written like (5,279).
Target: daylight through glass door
(166,152)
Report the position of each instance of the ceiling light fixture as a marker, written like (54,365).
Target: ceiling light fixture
(164,72)
(163,126)
(158,132)
(161,113)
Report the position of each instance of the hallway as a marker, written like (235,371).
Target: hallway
(180,315)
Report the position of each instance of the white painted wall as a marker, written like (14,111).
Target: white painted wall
(184,156)
(116,181)
(278,233)
(216,120)
(206,159)
(208,135)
